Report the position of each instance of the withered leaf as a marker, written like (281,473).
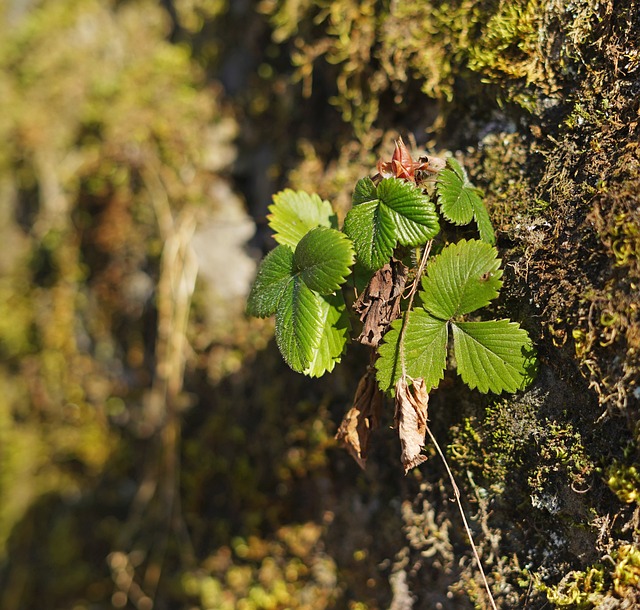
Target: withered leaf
(410,420)
(379,304)
(362,418)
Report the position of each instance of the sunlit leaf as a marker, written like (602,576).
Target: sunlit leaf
(460,202)
(274,273)
(335,333)
(295,213)
(425,351)
(413,212)
(323,258)
(299,324)
(462,278)
(492,356)
(372,230)
(395,211)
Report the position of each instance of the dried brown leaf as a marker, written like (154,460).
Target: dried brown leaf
(379,304)
(363,417)
(410,420)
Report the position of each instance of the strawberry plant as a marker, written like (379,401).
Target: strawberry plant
(417,304)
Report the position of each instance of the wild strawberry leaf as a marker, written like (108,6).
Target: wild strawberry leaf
(371,228)
(335,333)
(493,356)
(395,211)
(413,212)
(323,258)
(460,202)
(295,213)
(462,278)
(275,272)
(299,324)
(425,351)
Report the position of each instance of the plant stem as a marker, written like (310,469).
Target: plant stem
(456,492)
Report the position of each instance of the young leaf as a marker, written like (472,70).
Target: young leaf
(323,257)
(335,331)
(460,202)
(295,213)
(299,324)
(492,355)
(425,351)
(371,228)
(462,278)
(274,273)
(413,212)
(394,212)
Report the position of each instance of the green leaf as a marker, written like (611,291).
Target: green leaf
(365,191)
(299,324)
(455,193)
(396,211)
(335,333)
(485,228)
(295,213)
(462,278)
(460,202)
(494,355)
(371,228)
(413,212)
(323,258)
(274,273)
(425,351)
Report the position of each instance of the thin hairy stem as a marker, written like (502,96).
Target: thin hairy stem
(456,492)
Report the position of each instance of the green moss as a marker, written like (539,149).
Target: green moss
(624,481)
(578,590)
(600,584)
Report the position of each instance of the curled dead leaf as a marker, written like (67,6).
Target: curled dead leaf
(410,420)
(362,418)
(379,304)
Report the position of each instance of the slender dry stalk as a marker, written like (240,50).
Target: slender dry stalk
(456,492)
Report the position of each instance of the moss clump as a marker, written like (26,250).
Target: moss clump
(606,584)
(624,481)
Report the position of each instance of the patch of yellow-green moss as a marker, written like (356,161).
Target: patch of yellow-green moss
(614,580)
(624,481)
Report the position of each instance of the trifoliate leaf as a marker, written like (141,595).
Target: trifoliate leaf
(323,257)
(460,202)
(335,332)
(462,278)
(274,273)
(295,213)
(492,355)
(425,351)
(396,211)
(299,324)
